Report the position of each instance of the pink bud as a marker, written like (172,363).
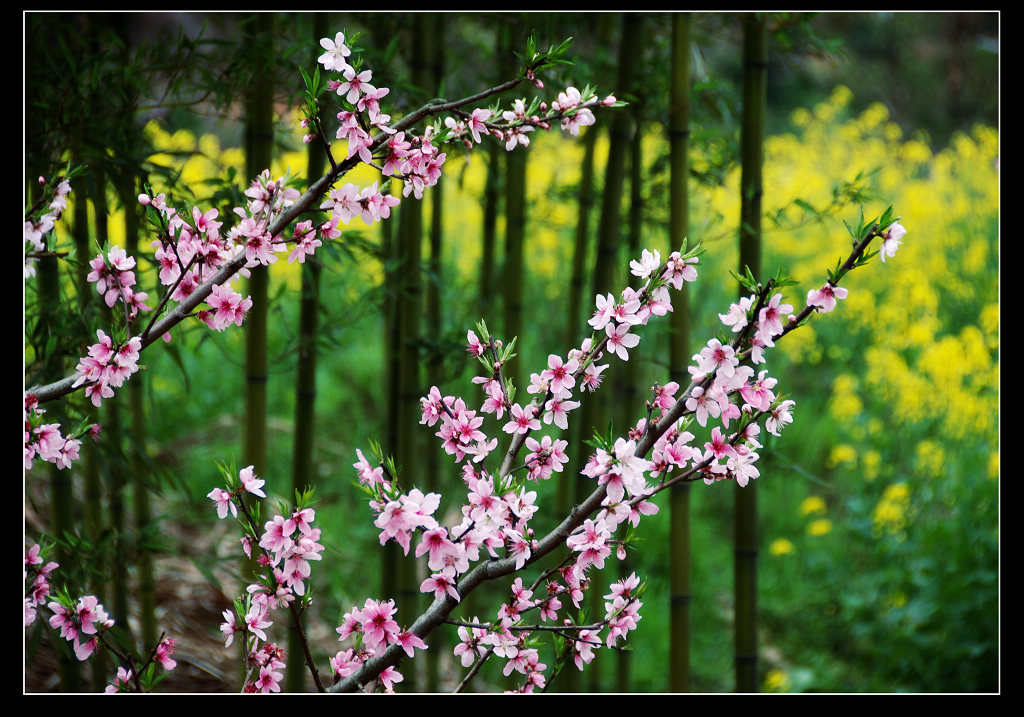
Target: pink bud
(144,199)
(608,101)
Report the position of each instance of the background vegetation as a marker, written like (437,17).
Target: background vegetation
(879,562)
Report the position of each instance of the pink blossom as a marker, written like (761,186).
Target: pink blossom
(228,307)
(163,654)
(604,313)
(389,677)
(336,52)
(355,84)
(475,347)
(224,503)
(770,317)
(560,375)
(891,239)
(780,416)
(378,625)
(440,584)
(476,125)
(122,680)
(619,339)
(345,663)
(251,483)
(523,420)
(269,680)
(825,297)
(557,411)
(737,315)
(717,358)
(408,641)
(742,467)
(648,264)
(680,270)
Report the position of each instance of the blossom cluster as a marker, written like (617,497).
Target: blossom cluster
(36,229)
(37,581)
(287,547)
(498,507)
(374,628)
(82,622)
(76,621)
(45,440)
(107,367)
(723,387)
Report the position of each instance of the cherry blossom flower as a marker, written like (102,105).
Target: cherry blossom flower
(440,584)
(619,339)
(742,467)
(825,297)
(476,123)
(770,316)
(648,264)
(891,240)
(336,52)
(121,681)
(560,375)
(163,654)
(224,503)
(355,85)
(780,416)
(251,483)
(605,311)
(680,270)
(389,677)
(737,315)
(523,420)
(269,680)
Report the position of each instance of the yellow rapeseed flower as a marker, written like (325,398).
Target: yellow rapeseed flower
(781,546)
(870,462)
(777,681)
(817,528)
(813,505)
(843,455)
(890,515)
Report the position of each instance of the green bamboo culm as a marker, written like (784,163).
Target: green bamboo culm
(93,509)
(62,502)
(259,149)
(303,465)
(489,230)
(755,65)
(680,555)
(142,511)
(628,390)
(608,271)
(410,297)
(117,569)
(515,222)
(432,463)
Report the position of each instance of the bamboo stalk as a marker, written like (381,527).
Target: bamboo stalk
(303,465)
(755,62)
(680,556)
